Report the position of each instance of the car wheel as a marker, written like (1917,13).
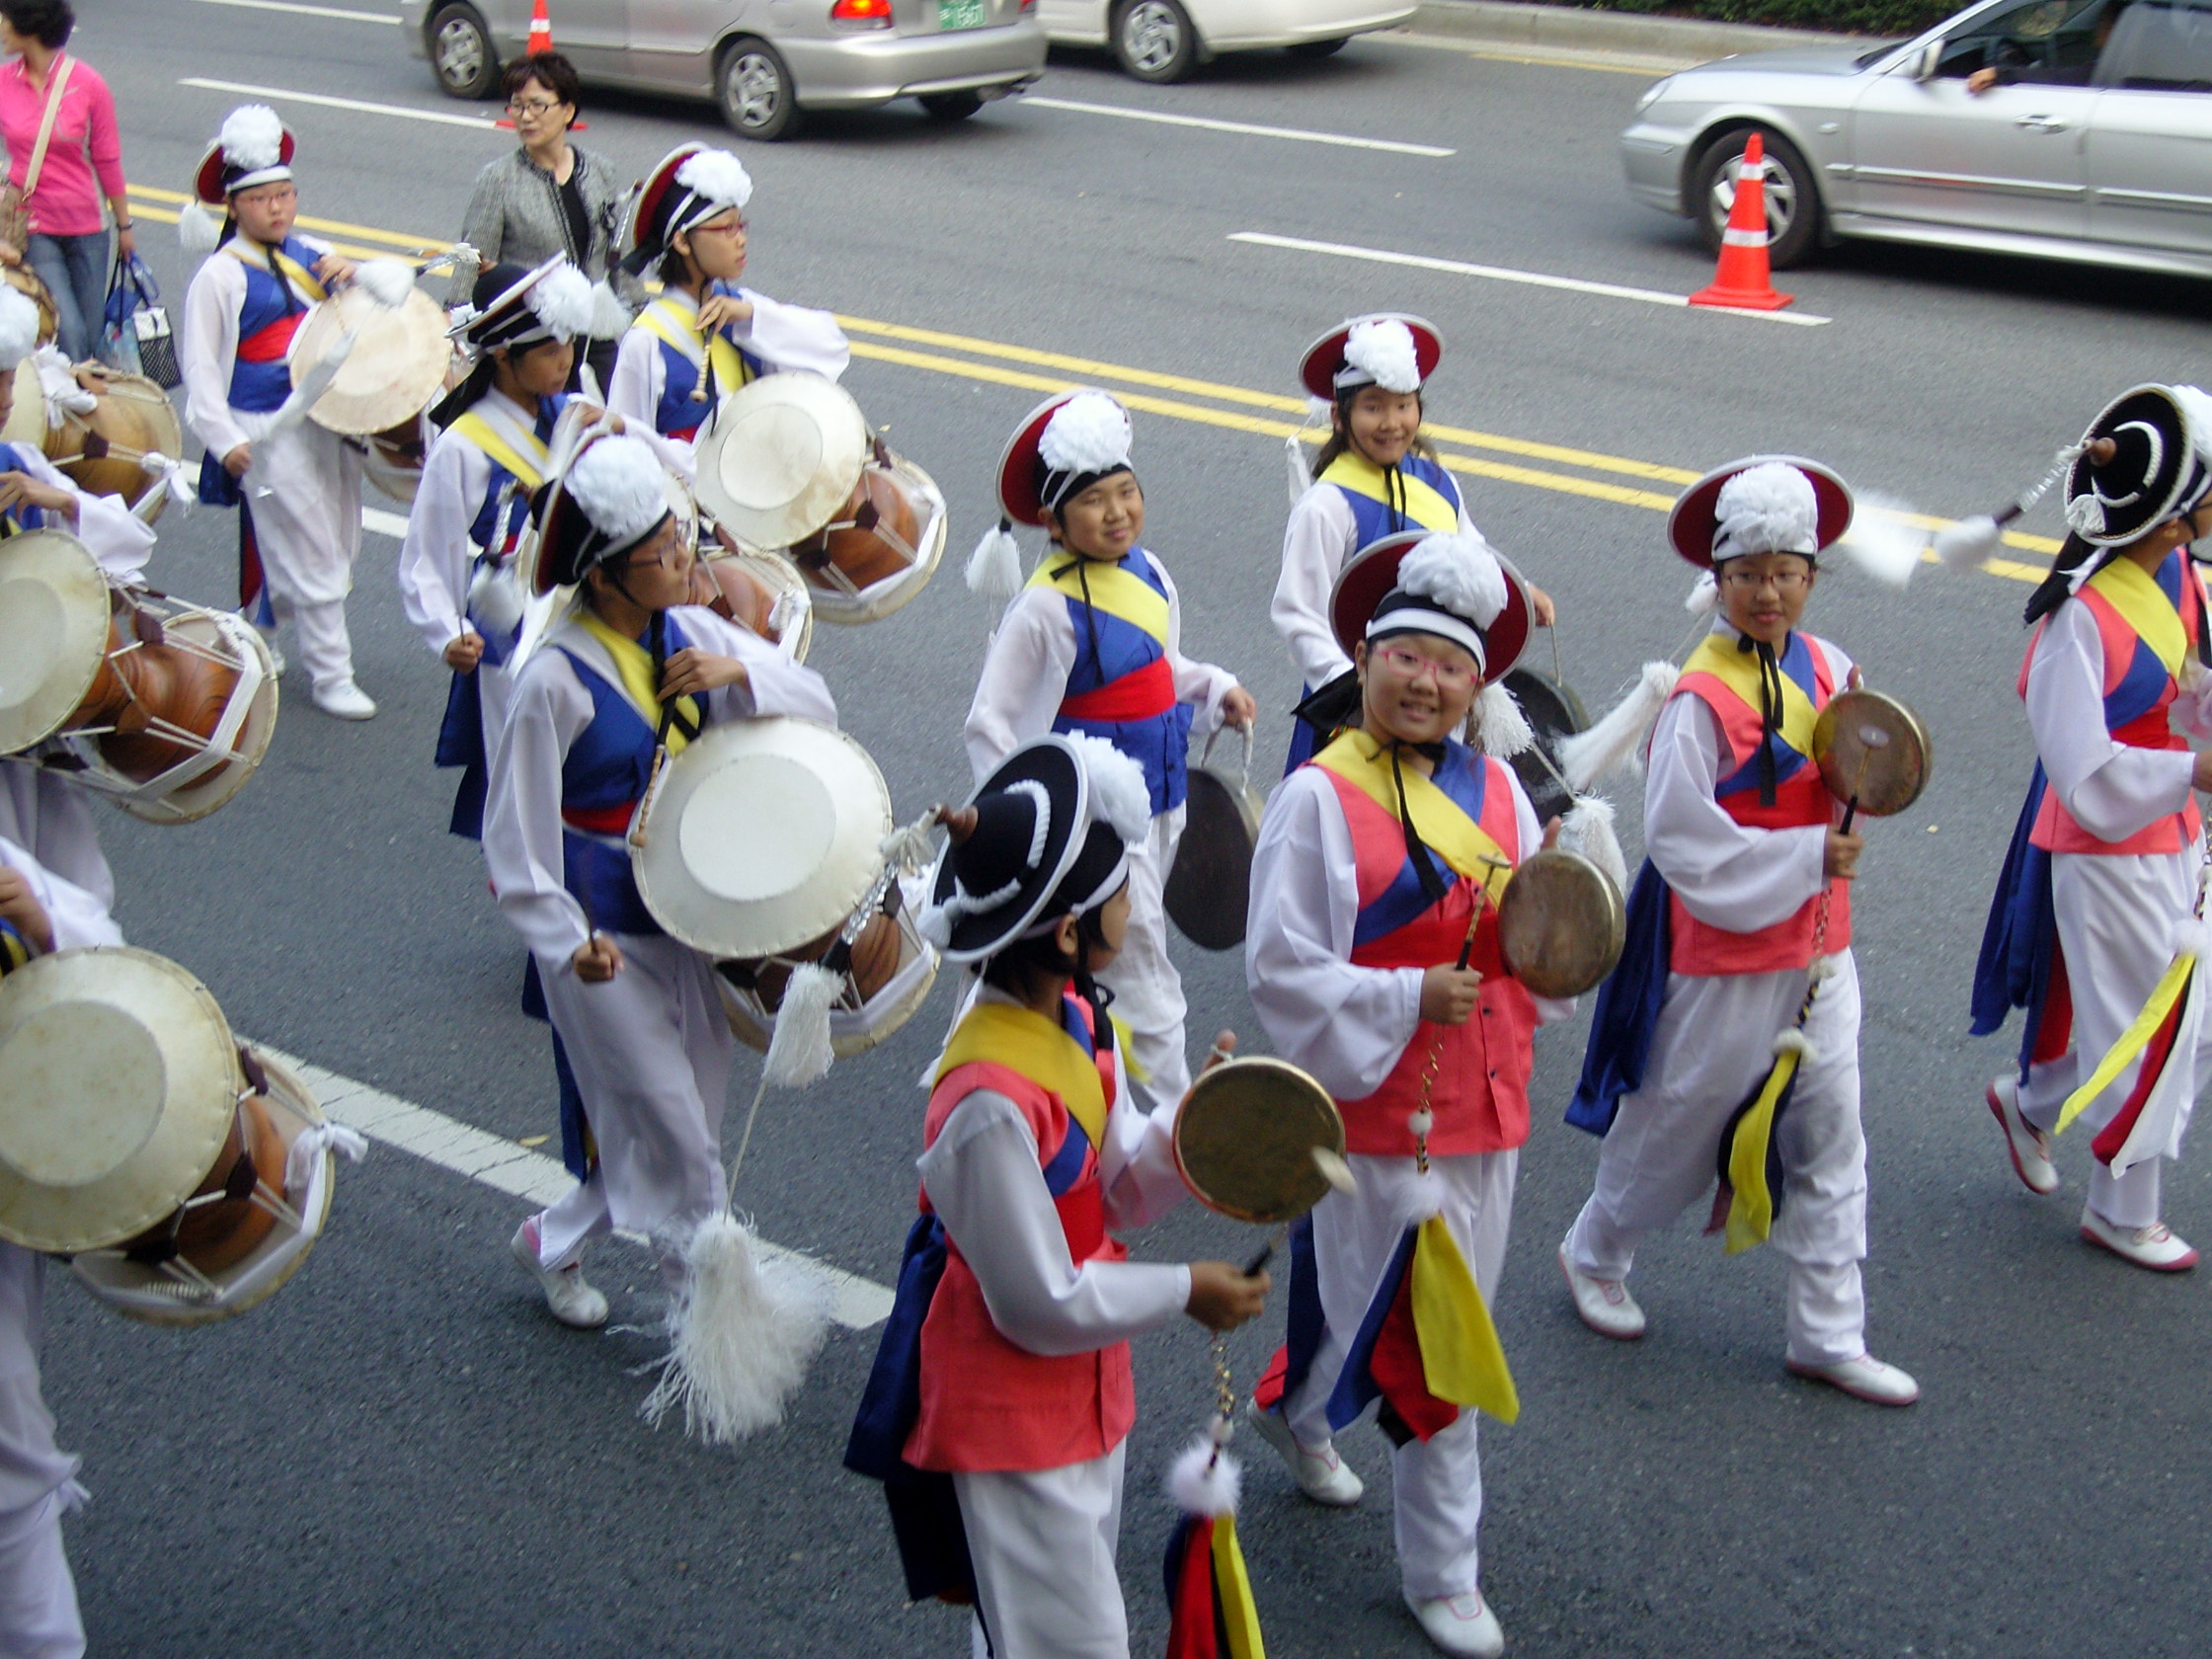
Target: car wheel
(755,90)
(1154,41)
(952,105)
(1792,197)
(461,53)
(1320,49)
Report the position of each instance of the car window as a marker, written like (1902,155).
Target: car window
(2048,40)
(2160,47)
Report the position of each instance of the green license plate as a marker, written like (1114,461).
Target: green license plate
(960,14)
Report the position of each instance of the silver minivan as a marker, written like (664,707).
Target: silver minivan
(762,61)
(2077,129)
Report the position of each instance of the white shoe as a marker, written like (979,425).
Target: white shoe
(2030,1146)
(1320,1472)
(1865,1377)
(1462,1625)
(2157,1247)
(345,701)
(574,1302)
(1605,1305)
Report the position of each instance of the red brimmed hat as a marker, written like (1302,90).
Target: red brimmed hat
(1024,471)
(253,149)
(659,201)
(1372,574)
(1693,524)
(1324,359)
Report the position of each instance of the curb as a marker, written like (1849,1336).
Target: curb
(1581,29)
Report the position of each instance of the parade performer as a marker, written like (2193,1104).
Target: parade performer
(705,335)
(1375,476)
(630,668)
(1001,1399)
(1733,1017)
(39,1618)
(489,457)
(1093,643)
(298,488)
(2097,925)
(1372,956)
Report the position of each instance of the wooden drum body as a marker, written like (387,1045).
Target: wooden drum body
(760,592)
(887,976)
(882,548)
(103,452)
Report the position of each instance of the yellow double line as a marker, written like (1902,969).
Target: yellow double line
(1228,408)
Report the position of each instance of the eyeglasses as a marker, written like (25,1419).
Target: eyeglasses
(1411,664)
(735,227)
(532,107)
(1781,581)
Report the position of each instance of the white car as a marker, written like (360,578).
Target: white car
(1165,40)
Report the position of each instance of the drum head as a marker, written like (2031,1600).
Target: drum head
(1872,747)
(1554,713)
(26,420)
(1561,924)
(398,363)
(118,1083)
(1210,886)
(1246,1139)
(781,458)
(761,836)
(53,633)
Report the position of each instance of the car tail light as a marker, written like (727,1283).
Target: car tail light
(860,14)
(1029,5)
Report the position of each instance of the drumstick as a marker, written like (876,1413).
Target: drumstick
(1481,896)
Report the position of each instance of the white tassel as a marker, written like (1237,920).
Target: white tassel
(799,1051)
(995,568)
(1823,968)
(1882,545)
(610,318)
(2192,935)
(1794,1041)
(1422,1198)
(741,1335)
(1499,724)
(1205,1479)
(198,230)
(1300,475)
(1613,741)
(1704,594)
(388,281)
(1970,543)
(1587,830)
(911,848)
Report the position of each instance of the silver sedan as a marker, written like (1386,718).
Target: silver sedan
(2076,129)
(762,61)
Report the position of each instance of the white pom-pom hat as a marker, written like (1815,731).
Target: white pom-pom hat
(254,147)
(686,187)
(19,328)
(1451,586)
(1372,350)
(612,494)
(1718,519)
(555,301)
(1062,447)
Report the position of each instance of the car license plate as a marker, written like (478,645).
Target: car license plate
(960,14)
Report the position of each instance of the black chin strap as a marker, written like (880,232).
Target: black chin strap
(672,716)
(1078,564)
(1416,849)
(1770,712)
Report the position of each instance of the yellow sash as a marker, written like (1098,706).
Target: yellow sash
(528,470)
(635,666)
(1455,837)
(1461,1360)
(1426,507)
(1116,591)
(2136,1038)
(666,319)
(1751,1205)
(1025,1041)
(2136,595)
(1737,669)
(283,264)
(1233,1585)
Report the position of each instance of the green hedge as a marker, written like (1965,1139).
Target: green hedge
(1862,16)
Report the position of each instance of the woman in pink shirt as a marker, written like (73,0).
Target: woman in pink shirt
(68,243)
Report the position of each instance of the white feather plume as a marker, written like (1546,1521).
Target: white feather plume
(19,328)
(1299,475)
(1089,433)
(610,318)
(1614,743)
(197,229)
(1119,794)
(1205,1480)
(1383,351)
(742,1332)
(1882,543)
(1501,729)
(618,483)
(799,1051)
(1767,508)
(561,300)
(1704,594)
(2196,411)
(1459,572)
(716,176)
(995,568)
(252,137)
(1970,543)
(1588,828)
(388,281)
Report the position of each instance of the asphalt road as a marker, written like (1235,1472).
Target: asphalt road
(401,1454)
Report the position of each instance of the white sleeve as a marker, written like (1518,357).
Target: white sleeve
(2113,790)
(793,336)
(1024,678)
(983,1179)
(118,538)
(1726,874)
(1315,544)
(436,554)
(78,918)
(774,684)
(547,709)
(1201,685)
(208,351)
(639,377)
(1346,1024)
(1137,1165)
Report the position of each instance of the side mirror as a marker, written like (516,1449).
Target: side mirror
(1929,60)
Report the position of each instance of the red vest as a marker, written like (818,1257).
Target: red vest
(986,1403)
(1801,799)
(1480,1092)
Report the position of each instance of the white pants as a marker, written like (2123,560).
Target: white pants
(1438,1484)
(2114,913)
(320,639)
(37,1598)
(1043,1545)
(1148,992)
(308,526)
(652,1052)
(1714,1042)
(38,1618)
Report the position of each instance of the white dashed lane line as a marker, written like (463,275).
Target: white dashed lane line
(283,95)
(1293,134)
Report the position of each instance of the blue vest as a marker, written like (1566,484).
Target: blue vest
(262,387)
(23,517)
(1373,520)
(1109,648)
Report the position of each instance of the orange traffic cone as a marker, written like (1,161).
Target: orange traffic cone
(1743,280)
(541,28)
